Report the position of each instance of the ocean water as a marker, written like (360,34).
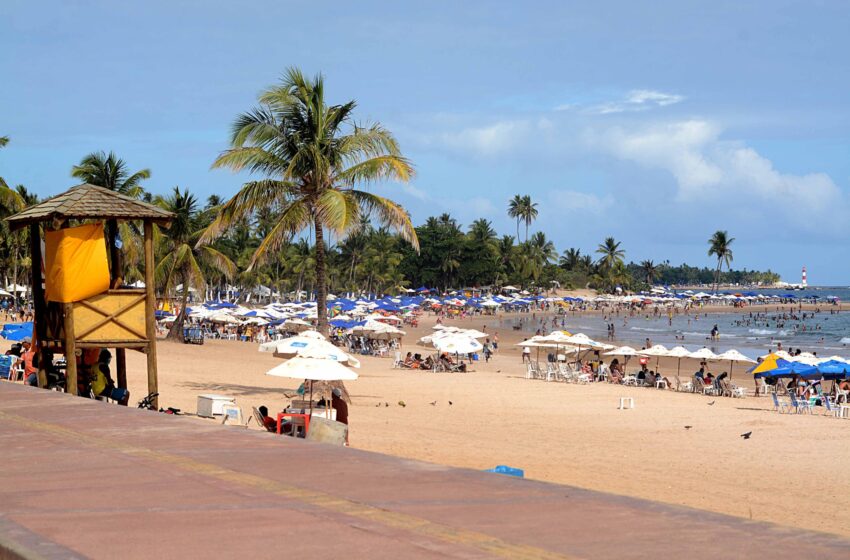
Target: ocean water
(826,332)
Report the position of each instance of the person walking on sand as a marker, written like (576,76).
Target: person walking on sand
(526,353)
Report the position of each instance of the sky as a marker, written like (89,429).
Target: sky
(655,123)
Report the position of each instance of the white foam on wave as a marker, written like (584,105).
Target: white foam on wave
(647,329)
(761,332)
(845,340)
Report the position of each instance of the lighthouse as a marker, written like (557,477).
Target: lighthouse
(804,283)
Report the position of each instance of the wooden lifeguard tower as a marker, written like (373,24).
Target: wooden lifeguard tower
(119,317)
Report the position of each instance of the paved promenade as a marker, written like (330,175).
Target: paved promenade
(85,479)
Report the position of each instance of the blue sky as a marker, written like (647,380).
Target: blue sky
(657,123)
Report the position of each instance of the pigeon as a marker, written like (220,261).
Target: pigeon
(377,405)
(746,435)
(711,403)
(688,427)
(386,404)
(450,403)
(401,404)
(434,403)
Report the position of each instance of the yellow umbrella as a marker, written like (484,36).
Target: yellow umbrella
(767,364)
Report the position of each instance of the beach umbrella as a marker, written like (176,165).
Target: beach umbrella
(784,368)
(834,369)
(313,369)
(657,350)
(17,331)
(309,347)
(703,354)
(734,356)
(678,352)
(768,362)
(626,351)
(457,344)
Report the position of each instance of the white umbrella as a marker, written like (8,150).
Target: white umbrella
(678,352)
(457,344)
(734,356)
(308,347)
(626,351)
(658,350)
(313,369)
(703,354)
(4,293)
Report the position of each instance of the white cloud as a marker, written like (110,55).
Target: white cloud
(579,202)
(708,168)
(495,139)
(413,191)
(636,100)
(481,206)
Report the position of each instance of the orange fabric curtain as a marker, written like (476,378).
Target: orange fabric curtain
(76,266)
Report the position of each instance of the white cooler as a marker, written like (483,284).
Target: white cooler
(210,405)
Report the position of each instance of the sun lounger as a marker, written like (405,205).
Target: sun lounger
(779,406)
(799,404)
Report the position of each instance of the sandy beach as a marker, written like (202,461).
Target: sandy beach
(790,471)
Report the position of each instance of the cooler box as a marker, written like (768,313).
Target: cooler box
(211,405)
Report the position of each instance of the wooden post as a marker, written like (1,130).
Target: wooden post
(150,306)
(121,367)
(39,305)
(70,350)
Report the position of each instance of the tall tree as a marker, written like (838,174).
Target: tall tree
(570,259)
(181,258)
(529,212)
(108,170)
(516,210)
(649,270)
(719,245)
(610,253)
(313,156)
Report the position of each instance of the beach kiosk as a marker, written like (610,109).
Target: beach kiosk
(79,298)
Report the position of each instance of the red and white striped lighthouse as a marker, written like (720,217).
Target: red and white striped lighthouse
(805,283)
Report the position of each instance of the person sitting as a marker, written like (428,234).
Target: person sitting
(102,384)
(408,361)
(269,423)
(616,375)
(641,375)
(427,364)
(699,374)
(650,378)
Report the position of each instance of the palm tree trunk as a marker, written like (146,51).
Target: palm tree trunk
(717,276)
(176,331)
(321,281)
(15,271)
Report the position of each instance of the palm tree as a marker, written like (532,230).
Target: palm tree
(107,170)
(3,141)
(529,212)
(515,210)
(182,259)
(611,253)
(719,246)
(313,156)
(570,259)
(111,172)
(649,271)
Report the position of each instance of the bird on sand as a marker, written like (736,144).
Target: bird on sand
(688,427)
(711,403)
(401,404)
(450,403)
(434,403)
(746,435)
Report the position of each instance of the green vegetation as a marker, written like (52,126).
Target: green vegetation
(313,155)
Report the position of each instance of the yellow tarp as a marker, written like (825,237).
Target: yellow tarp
(75,263)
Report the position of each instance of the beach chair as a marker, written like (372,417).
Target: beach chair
(738,392)
(397,360)
(799,403)
(551,371)
(687,386)
(779,406)
(763,388)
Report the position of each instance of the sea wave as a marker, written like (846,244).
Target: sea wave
(648,329)
(761,332)
(845,340)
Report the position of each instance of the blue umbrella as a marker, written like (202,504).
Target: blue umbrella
(833,369)
(16,331)
(787,369)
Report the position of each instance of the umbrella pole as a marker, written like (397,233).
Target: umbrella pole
(731,365)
